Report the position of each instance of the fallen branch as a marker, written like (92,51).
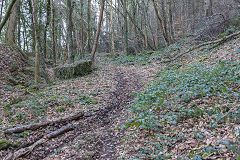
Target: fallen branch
(25,151)
(45,123)
(219,41)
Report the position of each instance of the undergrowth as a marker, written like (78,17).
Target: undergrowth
(147,57)
(196,93)
(41,102)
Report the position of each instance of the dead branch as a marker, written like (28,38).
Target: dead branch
(218,42)
(25,151)
(45,123)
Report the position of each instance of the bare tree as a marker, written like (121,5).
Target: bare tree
(69,32)
(94,49)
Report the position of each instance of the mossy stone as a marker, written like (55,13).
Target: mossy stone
(79,68)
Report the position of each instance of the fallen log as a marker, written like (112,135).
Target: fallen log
(25,151)
(219,41)
(45,123)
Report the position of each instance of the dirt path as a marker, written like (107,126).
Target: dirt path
(96,135)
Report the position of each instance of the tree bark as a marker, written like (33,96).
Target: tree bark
(208,8)
(170,13)
(19,25)
(45,30)
(82,30)
(12,24)
(94,49)
(112,29)
(25,151)
(37,47)
(53,32)
(44,123)
(183,18)
(89,25)
(7,15)
(125,26)
(1,12)
(161,22)
(33,28)
(69,32)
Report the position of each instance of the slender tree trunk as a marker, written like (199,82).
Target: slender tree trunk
(134,12)
(182,18)
(112,29)
(69,32)
(33,28)
(12,24)
(1,12)
(208,8)
(82,30)
(125,27)
(7,15)
(193,16)
(165,22)
(94,49)
(89,25)
(19,25)
(53,32)
(144,22)
(37,53)
(170,13)
(161,22)
(45,30)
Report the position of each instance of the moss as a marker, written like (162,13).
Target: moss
(5,144)
(28,70)
(94,101)
(76,69)
(16,99)
(11,80)
(13,67)
(60,109)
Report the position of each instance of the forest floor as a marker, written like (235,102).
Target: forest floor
(103,96)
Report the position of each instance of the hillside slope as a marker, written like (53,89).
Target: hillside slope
(137,108)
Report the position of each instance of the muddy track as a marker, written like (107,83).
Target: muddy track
(97,129)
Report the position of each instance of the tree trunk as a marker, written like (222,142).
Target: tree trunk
(45,30)
(82,30)
(112,29)
(94,49)
(208,8)
(1,12)
(170,13)
(89,25)
(33,31)
(125,26)
(183,18)
(12,24)
(69,32)
(19,25)
(161,22)
(53,32)
(7,15)
(37,54)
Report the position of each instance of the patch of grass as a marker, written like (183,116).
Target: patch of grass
(60,109)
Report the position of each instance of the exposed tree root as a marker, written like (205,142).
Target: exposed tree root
(25,151)
(45,123)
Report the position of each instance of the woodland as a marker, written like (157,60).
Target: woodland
(120,79)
